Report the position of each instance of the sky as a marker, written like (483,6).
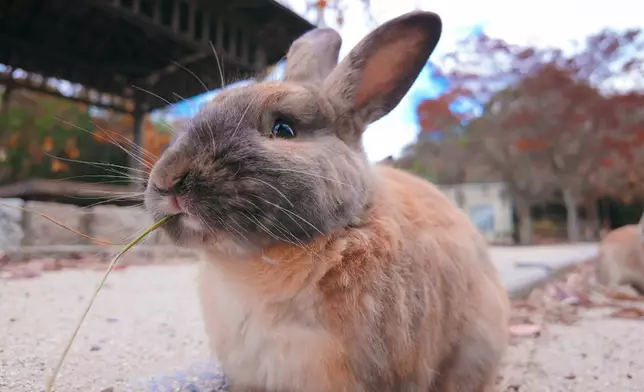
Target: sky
(544,23)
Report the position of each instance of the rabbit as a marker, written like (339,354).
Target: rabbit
(320,271)
(621,258)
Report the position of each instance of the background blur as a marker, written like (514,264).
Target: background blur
(530,116)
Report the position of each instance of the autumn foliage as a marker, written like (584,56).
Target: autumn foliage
(552,125)
(49,137)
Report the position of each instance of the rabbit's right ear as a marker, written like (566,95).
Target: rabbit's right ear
(373,78)
(313,55)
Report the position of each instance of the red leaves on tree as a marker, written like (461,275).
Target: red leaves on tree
(526,145)
(550,106)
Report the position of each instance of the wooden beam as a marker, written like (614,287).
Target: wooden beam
(54,35)
(173,31)
(19,45)
(137,142)
(206,39)
(175,18)
(63,188)
(4,109)
(219,38)
(192,15)
(27,85)
(154,77)
(156,18)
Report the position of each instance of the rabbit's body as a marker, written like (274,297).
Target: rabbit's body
(321,272)
(621,258)
(398,303)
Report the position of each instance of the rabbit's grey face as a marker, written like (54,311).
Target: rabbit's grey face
(282,161)
(259,165)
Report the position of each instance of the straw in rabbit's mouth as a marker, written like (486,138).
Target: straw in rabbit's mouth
(50,382)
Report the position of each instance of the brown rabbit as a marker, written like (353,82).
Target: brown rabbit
(322,272)
(621,258)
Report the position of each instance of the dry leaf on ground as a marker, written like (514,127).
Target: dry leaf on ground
(620,296)
(629,313)
(525,330)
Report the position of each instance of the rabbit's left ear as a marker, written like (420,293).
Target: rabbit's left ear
(313,56)
(379,71)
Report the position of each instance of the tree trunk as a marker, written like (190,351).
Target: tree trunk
(525,222)
(592,219)
(572,217)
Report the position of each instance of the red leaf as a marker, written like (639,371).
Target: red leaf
(629,313)
(523,330)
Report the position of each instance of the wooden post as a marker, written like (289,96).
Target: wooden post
(4,111)
(137,147)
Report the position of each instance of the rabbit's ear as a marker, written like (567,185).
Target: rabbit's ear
(313,55)
(379,71)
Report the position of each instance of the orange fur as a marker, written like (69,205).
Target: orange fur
(308,321)
(621,258)
(321,272)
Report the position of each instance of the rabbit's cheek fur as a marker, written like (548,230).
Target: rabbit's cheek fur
(256,191)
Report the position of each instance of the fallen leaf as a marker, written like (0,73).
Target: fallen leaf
(20,274)
(51,265)
(620,296)
(121,267)
(523,304)
(525,330)
(629,313)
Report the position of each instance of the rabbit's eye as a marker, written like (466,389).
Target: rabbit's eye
(283,130)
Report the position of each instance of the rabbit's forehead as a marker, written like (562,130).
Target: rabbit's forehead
(267,95)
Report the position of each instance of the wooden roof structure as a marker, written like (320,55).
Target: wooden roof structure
(135,56)
(118,48)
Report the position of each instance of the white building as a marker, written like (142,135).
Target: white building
(488,205)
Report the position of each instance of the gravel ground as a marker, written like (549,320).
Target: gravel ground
(568,336)
(146,324)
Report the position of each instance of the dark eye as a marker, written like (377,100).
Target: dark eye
(283,130)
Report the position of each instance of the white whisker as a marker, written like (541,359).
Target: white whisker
(219,65)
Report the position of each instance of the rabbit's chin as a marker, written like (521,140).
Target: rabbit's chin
(187,231)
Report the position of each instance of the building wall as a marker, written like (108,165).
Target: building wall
(488,205)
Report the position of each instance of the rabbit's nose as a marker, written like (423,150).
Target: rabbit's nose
(171,185)
(175,204)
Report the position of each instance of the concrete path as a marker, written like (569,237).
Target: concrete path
(523,268)
(146,322)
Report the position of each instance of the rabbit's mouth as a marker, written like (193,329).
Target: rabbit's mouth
(191,222)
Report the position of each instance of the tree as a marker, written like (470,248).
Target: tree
(546,124)
(492,144)
(48,137)
(567,123)
(322,8)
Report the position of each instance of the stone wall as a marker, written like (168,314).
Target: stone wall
(11,220)
(111,223)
